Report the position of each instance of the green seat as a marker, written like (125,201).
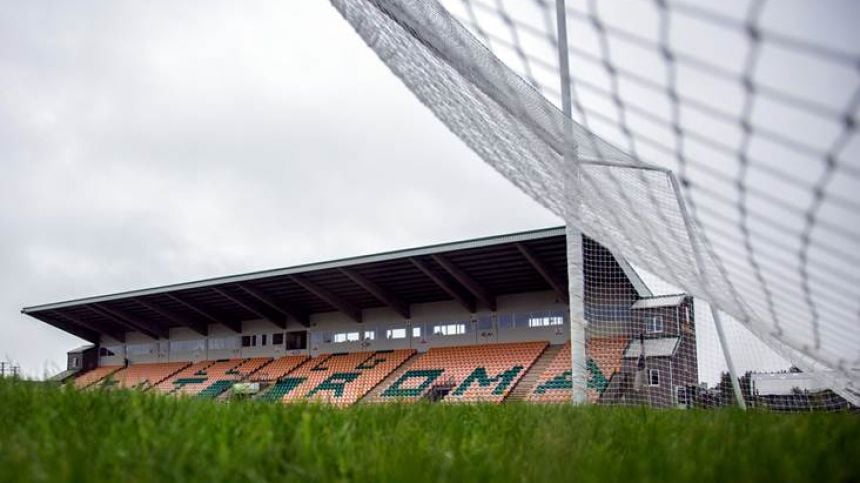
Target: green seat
(282,388)
(214,390)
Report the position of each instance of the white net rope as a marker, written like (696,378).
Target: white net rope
(738,165)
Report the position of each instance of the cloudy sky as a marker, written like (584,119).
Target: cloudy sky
(145,144)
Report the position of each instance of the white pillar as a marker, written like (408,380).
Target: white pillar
(576,286)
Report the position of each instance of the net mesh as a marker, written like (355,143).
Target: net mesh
(712,148)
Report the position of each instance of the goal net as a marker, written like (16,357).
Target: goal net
(711,147)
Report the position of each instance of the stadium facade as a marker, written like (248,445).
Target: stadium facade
(478,320)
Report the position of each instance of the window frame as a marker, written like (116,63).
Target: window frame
(394,333)
(451,329)
(651,377)
(658,324)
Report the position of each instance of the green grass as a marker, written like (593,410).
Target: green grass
(51,434)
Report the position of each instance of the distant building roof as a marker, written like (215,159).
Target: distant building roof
(765,384)
(662,347)
(661,301)
(81,349)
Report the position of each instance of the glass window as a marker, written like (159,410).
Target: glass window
(264,339)
(653,377)
(522,320)
(653,324)
(297,340)
(449,329)
(395,333)
(369,335)
(682,395)
(416,332)
(485,322)
(340,337)
(225,343)
(278,338)
(546,321)
(140,349)
(187,345)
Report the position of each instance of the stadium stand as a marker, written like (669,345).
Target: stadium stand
(523,389)
(340,379)
(277,369)
(212,380)
(554,385)
(91,377)
(480,373)
(144,376)
(183,381)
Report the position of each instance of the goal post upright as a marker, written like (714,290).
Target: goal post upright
(575,267)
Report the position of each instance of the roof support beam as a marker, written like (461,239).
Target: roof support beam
(464,299)
(475,288)
(131,322)
(118,336)
(392,301)
(280,307)
(76,330)
(199,310)
(339,303)
(265,314)
(199,327)
(544,271)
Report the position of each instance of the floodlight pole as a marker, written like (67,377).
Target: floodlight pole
(575,266)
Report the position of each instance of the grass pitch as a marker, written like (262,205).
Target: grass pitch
(54,434)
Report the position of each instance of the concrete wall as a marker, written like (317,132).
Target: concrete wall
(483,327)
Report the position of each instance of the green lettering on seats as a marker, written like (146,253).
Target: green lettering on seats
(596,379)
(559,382)
(214,390)
(336,382)
(321,366)
(479,375)
(182,381)
(397,388)
(282,388)
(563,381)
(371,362)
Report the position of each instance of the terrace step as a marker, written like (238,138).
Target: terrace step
(529,380)
(375,394)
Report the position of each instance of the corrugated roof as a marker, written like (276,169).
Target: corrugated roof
(662,301)
(662,347)
(311,267)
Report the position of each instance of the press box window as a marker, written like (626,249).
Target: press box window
(416,332)
(547,321)
(369,335)
(278,339)
(395,334)
(341,337)
(449,329)
(249,341)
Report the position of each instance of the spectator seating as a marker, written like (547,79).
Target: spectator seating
(479,373)
(604,360)
(277,369)
(91,377)
(144,376)
(340,379)
(221,375)
(183,382)
(211,378)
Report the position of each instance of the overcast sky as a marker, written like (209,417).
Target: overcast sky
(151,143)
